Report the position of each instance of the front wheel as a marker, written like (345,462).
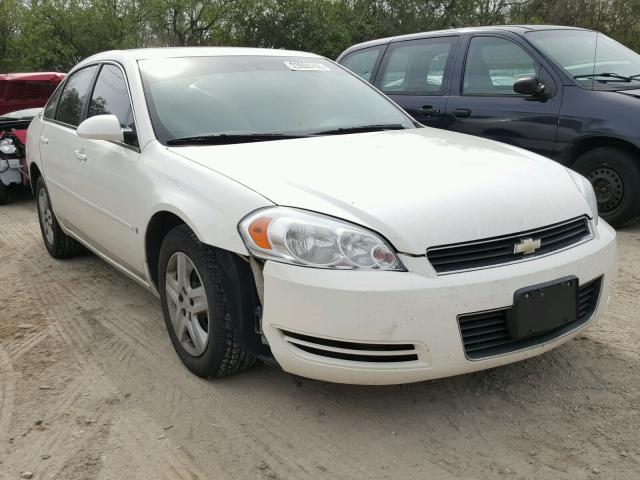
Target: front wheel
(615,176)
(196,308)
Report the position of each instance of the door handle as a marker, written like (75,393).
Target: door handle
(44,140)
(429,110)
(462,113)
(80,156)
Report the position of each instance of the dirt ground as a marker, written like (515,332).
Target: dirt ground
(90,388)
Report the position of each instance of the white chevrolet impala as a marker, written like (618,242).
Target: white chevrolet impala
(284,209)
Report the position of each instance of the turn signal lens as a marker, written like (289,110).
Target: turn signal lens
(259,233)
(304,238)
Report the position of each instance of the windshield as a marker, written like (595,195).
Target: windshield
(266,97)
(593,59)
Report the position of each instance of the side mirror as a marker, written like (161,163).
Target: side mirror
(101,127)
(529,86)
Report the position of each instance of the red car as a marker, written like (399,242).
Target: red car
(21,97)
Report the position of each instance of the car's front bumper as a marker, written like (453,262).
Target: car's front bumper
(416,307)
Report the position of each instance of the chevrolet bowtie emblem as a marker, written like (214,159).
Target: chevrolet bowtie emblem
(527,246)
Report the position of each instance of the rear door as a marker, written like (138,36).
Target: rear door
(485,104)
(59,145)
(416,75)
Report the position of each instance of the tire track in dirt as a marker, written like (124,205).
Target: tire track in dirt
(7,397)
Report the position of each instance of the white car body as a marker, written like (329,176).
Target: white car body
(422,188)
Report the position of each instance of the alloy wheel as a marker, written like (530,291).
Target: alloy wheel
(187,304)
(45,215)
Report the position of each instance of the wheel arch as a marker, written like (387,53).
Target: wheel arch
(34,174)
(241,288)
(160,223)
(586,144)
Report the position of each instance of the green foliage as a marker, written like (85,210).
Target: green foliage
(56,34)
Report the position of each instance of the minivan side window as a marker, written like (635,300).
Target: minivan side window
(50,108)
(110,96)
(417,67)
(493,65)
(74,94)
(362,62)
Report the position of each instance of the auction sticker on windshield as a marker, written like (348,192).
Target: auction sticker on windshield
(307,66)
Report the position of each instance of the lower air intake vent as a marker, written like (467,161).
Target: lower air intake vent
(485,334)
(353,351)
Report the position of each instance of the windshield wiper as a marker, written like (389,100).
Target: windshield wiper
(230,138)
(614,76)
(361,129)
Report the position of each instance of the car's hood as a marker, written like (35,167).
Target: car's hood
(418,188)
(631,92)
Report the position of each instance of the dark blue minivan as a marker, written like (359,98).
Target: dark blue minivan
(567,93)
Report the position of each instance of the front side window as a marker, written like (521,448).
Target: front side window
(493,65)
(74,94)
(362,62)
(417,66)
(257,95)
(110,96)
(593,59)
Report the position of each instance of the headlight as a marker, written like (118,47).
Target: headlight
(303,238)
(586,189)
(7,146)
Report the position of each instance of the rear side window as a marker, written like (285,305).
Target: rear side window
(74,94)
(110,96)
(494,64)
(417,67)
(362,62)
(50,108)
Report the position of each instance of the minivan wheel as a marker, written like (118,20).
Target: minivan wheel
(196,311)
(615,176)
(4,194)
(58,244)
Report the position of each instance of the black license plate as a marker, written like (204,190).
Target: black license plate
(543,307)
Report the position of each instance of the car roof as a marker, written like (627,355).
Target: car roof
(181,52)
(519,29)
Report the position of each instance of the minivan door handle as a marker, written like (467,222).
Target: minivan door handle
(462,113)
(44,140)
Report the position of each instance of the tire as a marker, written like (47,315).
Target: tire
(58,244)
(4,194)
(203,337)
(615,176)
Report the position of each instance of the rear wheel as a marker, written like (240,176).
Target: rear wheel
(58,244)
(4,194)
(615,176)
(197,312)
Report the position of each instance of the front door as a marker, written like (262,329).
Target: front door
(486,105)
(416,73)
(109,178)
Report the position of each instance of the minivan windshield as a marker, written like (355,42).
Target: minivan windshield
(234,99)
(591,58)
